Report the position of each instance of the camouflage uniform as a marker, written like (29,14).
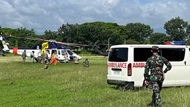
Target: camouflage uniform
(76,60)
(24,56)
(46,60)
(154,64)
(86,63)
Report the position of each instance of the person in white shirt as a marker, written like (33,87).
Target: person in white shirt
(32,57)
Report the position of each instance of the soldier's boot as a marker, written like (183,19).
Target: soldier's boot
(46,67)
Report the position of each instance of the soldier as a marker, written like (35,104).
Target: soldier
(154,67)
(86,63)
(76,60)
(46,59)
(24,56)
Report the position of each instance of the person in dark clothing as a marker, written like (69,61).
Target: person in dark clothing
(86,63)
(24,56)
(154,67)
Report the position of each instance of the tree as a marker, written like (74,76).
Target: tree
(158,38)
(131,41)
(188,31)
(17,37)
(68,32)
(24,33)
(188,42)
(101,31)
(50,35)
(177,28)
(138,31)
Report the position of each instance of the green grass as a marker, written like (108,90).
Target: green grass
(71,85)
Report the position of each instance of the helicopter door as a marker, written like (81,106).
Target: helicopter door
(59,55)
(52,51)
(69,53)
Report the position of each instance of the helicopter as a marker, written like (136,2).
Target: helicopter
(98,49)
(40,48)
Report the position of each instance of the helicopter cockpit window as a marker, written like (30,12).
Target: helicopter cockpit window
(64,52)
(70,53)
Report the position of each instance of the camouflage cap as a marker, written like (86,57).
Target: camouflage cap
(155,48)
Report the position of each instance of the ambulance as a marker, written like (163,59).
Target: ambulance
(125,65)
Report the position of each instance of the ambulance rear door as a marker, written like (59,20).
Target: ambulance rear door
(140,55)
(117,64)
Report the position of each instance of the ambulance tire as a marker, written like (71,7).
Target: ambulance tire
(129,86)
(125,87)
(120,87)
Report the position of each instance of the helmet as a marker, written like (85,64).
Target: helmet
(155,48)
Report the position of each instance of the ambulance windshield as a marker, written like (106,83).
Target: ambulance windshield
(118,54)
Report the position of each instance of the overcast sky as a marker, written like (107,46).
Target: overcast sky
(42,15)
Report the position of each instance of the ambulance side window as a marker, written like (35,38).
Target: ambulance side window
(118,55)
(173,54)
(142,54)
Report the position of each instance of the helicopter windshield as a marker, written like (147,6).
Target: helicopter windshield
(70,53)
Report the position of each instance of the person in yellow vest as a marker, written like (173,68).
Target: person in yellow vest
(54,58)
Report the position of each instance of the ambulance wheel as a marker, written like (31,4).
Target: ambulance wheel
(129,86)
(118,86)
(124,87)
(121,87)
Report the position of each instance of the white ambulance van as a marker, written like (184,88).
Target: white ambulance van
(126,65)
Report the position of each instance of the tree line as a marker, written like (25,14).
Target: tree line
(101,32)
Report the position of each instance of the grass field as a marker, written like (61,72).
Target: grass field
(71,85)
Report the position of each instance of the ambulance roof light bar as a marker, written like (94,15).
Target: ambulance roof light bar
(174,43)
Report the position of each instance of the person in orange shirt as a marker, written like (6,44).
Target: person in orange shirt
(53,58)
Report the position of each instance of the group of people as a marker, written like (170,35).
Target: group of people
(46,60)
(32,57)
(154,74)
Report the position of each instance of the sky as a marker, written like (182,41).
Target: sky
(42,15)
